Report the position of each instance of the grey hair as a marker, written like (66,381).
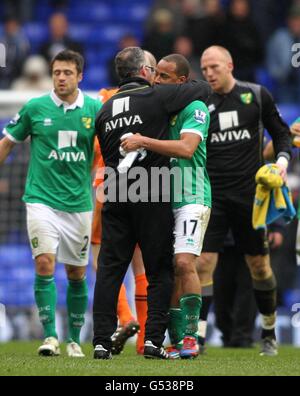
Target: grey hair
(129,61)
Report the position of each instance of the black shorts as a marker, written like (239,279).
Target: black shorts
(234,212)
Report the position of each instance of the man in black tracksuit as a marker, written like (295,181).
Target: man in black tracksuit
(137,107)
(239,112)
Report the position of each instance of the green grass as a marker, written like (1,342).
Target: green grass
(20,359)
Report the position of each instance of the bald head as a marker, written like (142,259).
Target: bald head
(151,64)
(218,51)
(150,59)
(217,68)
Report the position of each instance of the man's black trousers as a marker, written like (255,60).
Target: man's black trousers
(234,301)
(124,225)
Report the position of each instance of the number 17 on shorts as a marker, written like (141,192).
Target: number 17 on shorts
(190,225)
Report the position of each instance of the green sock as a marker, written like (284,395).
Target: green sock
(190,306)
(175,326)
(77,303)
(45,297)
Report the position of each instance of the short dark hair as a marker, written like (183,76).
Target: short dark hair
(69,56)
(182,64)
(129,61)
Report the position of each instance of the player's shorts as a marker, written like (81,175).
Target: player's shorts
(190,225)
(234,212)
(97,223)
(66,235)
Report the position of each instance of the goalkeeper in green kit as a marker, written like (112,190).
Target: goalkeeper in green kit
(58,193)
(191,200)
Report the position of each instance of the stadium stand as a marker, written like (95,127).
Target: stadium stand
(100,30)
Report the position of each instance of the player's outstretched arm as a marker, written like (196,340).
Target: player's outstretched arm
(183,148)
(6,146)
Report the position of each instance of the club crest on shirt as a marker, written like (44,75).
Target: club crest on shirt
(35,243)
(247,98)
(87,122)
(200,116)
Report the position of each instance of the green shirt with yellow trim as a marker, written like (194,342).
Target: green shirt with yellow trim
(190,181)
(62,141)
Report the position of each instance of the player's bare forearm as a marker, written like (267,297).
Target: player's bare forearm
(6,146)
(170,148)
(183,148)
(269,153)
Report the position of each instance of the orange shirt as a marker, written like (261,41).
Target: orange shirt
(99,165)
(107,93)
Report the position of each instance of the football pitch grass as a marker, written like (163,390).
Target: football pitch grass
(20,359)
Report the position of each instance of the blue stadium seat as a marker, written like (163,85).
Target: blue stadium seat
(92,11)
(100,34)
(97,55)
(82,32)
(291,297)
(137,12)
(289,112)
(95,78)
(263,77)
(17,277)
(140,12)
(42,11)
(36,32)
(112,33)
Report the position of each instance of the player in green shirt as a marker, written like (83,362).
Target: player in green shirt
(191,195)
(58,194)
